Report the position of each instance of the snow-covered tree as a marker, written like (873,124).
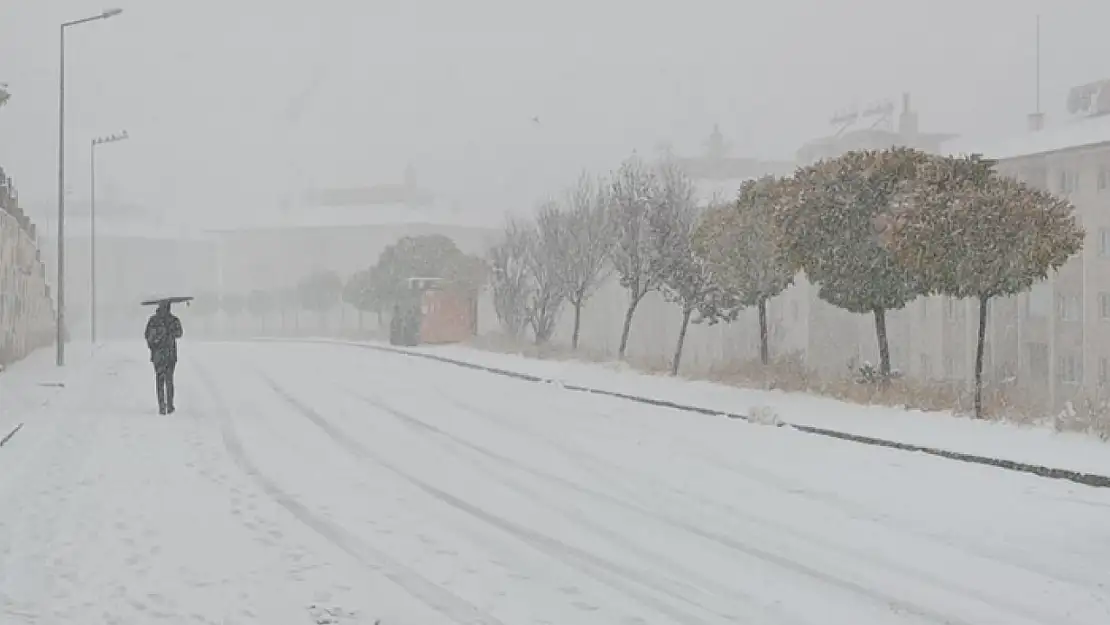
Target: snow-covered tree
(260,303)
(749,266)
(969,232)
(684,278)
(586,233)
(424,256)
(289,300)
(232,304)
(546,262)
(205,305)
(829,226)
(509,280)
(320,292)
(361,292)
(634,191)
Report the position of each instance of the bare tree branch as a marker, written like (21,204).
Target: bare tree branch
(509,277)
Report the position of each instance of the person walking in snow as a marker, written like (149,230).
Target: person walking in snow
(162,331)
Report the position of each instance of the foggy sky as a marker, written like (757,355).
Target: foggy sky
(230,103)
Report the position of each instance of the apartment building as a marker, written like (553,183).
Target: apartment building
(1050,345)
(1054,342)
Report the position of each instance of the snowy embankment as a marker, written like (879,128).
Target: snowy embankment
(939,430)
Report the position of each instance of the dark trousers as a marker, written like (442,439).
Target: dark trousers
(163,384)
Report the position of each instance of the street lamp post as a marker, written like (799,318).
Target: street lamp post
(60,337)
(92,222)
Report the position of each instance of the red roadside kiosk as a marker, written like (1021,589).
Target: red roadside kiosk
(437,312)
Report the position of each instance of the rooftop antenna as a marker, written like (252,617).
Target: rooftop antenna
(1036,120)
(1038,64)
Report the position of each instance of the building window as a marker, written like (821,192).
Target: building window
(1070,369)
(1103,178)
(1104,242)
(1038,300)
(925,366)
(1103,371)
(1067,307)
(1069,181)
(1038,360)
(1104,306)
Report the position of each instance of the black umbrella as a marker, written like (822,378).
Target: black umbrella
(169,300)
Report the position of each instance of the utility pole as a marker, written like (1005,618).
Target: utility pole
(61,286)
(92,222)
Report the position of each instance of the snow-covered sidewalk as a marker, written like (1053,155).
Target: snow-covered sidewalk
(110,514)
(28,386)
(1032,445)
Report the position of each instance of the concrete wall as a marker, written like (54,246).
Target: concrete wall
(26,308)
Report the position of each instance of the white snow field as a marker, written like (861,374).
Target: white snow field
(302,484)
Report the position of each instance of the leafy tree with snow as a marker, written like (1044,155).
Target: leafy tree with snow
(748,265)
(260,303)
(586,233)
(685,278)
(361,291)
(969,232)
(320,292)
(634,192)
(424,256)
(509,279)
(829,226)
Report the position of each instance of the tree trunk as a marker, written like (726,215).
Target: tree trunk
(681,340)
(628,326)
(577,324)
(884,347)
(764,349)
(984,300)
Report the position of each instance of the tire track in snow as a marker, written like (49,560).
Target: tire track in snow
(885,600)
(1022,612)
(1087,479)
(434,596)
(787,485)
(613,575)
(701,583)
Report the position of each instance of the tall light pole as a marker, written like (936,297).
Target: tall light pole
(60,337)
(92,222)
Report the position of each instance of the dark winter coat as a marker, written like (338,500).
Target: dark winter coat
(162,331)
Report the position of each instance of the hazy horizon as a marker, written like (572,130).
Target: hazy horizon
(231,105)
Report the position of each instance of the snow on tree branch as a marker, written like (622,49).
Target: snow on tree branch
(509,279)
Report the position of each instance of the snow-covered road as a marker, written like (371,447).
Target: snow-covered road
(300,480)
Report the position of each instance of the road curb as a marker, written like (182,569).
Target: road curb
(4,441)
(1087,479)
